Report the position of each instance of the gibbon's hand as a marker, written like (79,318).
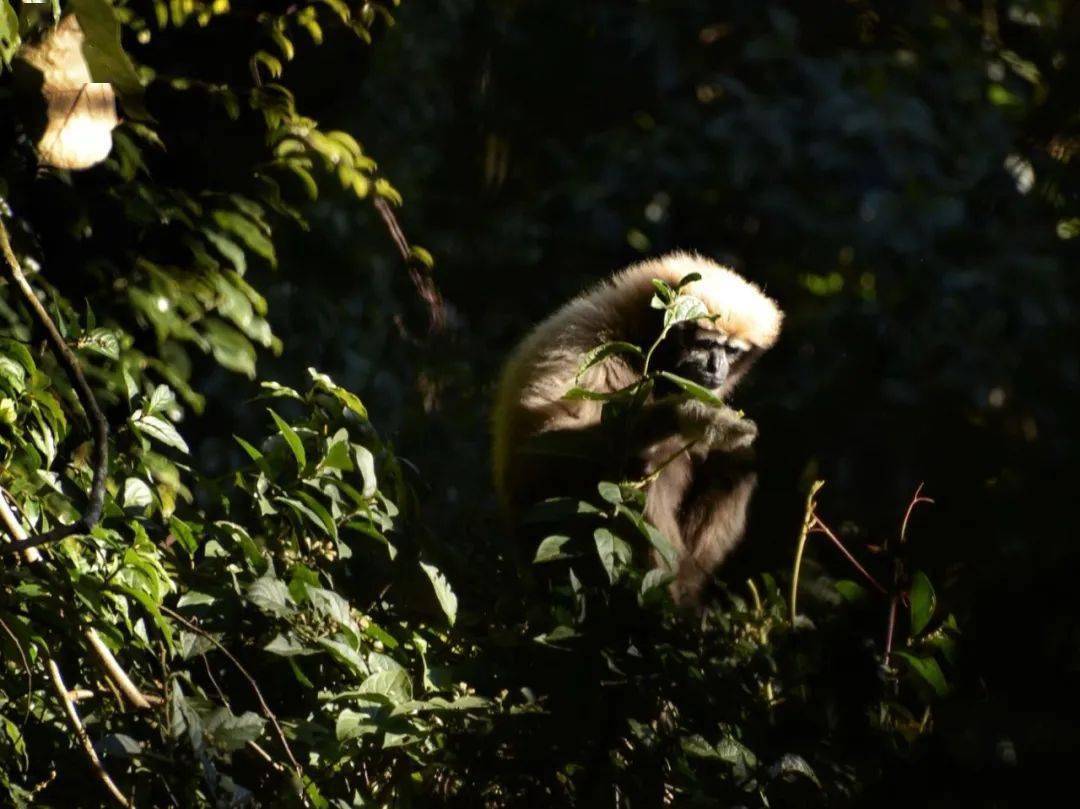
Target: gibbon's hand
(719,429)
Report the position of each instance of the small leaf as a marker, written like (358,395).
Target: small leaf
(927,669)
(447,600)
(664,293)
(610,492)
(923,600)
(230,733)
(702,394)
(550,549)
(103,342)
(683,308)
(688,279)
(292,439)
(613,552)
(576,393)
(605,350)
(559,508)
(137,494)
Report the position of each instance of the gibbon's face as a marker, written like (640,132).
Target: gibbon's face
(704,355)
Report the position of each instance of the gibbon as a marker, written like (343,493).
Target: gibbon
(545,445)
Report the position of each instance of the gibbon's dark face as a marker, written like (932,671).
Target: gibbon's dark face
(702,355)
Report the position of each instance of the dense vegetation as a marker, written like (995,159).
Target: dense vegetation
(299,592)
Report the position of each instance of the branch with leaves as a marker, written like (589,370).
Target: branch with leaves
(99,457)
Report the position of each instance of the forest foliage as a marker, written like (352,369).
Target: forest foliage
(298,591)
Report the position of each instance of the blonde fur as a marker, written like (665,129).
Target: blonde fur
(540,371)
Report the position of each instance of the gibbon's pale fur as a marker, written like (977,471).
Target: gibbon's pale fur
(698,501)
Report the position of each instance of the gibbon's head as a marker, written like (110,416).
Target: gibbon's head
(713,352)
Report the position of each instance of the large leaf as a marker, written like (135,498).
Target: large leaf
(9,32)
(106,58)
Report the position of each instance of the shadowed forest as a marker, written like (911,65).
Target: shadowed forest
(348,214)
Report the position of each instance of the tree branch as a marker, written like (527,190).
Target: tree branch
(84,738)
(421,278)
(98,425)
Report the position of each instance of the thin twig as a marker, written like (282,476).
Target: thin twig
(26,665)
(915,500)
(898,576)
(269,714)
(420,276)
(649,478)
(820,527)
(84,738)
(890,628)
(808,519)
(99,426)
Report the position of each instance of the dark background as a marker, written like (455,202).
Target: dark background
(898,176)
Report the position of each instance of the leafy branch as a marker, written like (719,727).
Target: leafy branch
(99,458)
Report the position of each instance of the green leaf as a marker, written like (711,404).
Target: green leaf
(101,341)
(230,347)
(576,393)
(249,232)
(347,398)
(288,646)
(683,308)
(664,293)
(614,552)
(229,732)
(550,549)
(160,430)
(352,724)
(447,600)
(137,494)
(105,56)
(331,605)
(655,538)
(610,492)
(850,590)
(9,32)
(321,512)
(605,350)
(923,601)
(292,439)
(688,279)
(655,579)
(557,509)
(271,595)
(394,685)
(791,764)
(927,670)
(702,394)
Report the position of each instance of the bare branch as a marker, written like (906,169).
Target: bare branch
(84,738)
(421,277)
